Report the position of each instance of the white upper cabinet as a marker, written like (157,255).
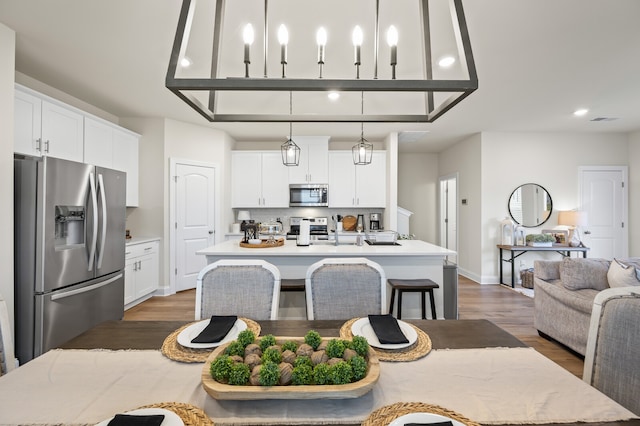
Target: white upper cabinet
(42,127)
(108,145)
(125,158)
(314,160)
(98,143)
(27,130)
(62,132)
(259,179)
(357,186)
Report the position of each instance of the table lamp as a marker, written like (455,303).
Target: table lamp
(244,216)
(574,219)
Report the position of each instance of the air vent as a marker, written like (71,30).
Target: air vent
(604,119)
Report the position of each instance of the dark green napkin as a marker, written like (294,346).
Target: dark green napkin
(133,420)
(217,329)
(387,329)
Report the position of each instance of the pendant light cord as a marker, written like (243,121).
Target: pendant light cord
(290,113)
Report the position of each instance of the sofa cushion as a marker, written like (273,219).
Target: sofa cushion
(624,272)
(580,300)
(547,269)
(577,273)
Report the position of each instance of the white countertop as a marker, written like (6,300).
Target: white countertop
(140,240)
(406,248)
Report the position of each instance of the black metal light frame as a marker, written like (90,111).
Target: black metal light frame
(460,89)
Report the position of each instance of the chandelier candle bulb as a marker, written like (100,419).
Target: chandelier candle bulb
(247,36)
(392,40)
(283,38)
(321,40)
(357,38)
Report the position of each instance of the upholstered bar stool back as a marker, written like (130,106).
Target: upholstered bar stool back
(344,288)
(247,288)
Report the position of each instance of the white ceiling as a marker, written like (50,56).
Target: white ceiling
(537,61)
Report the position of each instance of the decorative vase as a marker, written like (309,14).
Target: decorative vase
(519,236)
(506,231)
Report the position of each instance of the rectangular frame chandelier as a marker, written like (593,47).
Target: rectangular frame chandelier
(210,87)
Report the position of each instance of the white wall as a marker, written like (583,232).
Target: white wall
(550,160)
(163,139)
(464,158)
(418,192)
(7,76)
(634,194)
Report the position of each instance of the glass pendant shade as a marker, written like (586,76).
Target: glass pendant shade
(362,152)
(290,153)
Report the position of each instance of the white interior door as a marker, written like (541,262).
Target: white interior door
(449,214)
(194,220)
(603,195)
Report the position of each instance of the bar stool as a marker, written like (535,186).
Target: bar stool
(422,285)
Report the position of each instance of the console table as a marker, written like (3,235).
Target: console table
(517,251)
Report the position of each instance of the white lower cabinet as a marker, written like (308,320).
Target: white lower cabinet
(141,272)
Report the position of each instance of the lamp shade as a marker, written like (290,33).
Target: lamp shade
(244,215)
(572,218)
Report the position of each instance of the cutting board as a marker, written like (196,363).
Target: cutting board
(349,223)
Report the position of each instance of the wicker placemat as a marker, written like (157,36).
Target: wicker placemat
(385,415)
(419,349)
(189,414)
(175,351)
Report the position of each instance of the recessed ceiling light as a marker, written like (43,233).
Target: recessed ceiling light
(580,112)
(446,61)
(334,96)
(185,62)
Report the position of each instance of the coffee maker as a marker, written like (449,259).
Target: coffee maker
(374,221)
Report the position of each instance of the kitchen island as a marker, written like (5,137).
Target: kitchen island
(408,260)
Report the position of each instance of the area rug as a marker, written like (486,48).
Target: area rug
(526,291)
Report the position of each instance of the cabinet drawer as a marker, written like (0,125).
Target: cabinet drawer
(135,250)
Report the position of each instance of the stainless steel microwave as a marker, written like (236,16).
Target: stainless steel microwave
(311,195)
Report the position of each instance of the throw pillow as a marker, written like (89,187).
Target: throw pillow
(623,273)
(577,274)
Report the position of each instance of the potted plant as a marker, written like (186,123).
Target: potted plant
(540,240)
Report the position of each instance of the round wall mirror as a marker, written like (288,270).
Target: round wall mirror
(530,205)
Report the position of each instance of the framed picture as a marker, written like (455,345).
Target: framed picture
(561,236)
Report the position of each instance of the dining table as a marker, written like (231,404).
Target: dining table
(472,367)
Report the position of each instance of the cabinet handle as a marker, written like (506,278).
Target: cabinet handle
(46,146)
(135,266)
(39,144)
(358,201)
(148,248)
(139,264)
(127,253)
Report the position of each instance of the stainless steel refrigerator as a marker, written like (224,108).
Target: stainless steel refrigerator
(69,250)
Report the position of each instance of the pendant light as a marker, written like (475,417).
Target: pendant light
(290,151)
(363,150)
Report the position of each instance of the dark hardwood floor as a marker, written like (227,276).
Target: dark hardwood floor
(508,309)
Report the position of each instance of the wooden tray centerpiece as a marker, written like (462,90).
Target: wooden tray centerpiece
(264,244)
(370,369)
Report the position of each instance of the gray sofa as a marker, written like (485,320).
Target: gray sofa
(565,290)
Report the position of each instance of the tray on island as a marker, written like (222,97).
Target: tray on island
(232,392)
(264,244)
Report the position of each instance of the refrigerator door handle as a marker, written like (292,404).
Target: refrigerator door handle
(94,202)
(104,219)
(85,289)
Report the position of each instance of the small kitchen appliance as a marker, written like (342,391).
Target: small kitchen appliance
(308,195)
(318,228)
(374,221)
